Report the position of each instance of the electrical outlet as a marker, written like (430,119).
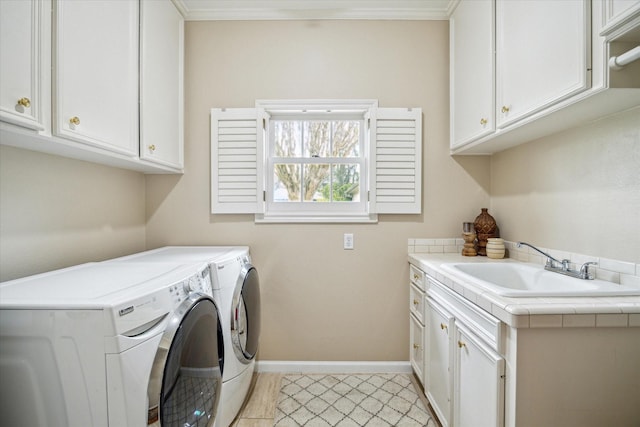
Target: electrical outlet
(348,241)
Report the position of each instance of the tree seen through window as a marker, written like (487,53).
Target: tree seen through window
(317,160)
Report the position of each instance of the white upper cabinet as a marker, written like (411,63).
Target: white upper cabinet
(548,68)
(77,78)
(161,83)
(25,63)
(542,55)
(96,73)
(472,46)
(621,16)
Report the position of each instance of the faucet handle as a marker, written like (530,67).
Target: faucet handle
(584,270)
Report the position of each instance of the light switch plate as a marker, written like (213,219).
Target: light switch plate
(348,241)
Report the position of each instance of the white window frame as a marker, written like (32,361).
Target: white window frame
(390,177)
(311,211)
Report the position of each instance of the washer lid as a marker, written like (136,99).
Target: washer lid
(91,285)
(186,254)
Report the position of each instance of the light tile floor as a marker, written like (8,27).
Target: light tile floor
(260,409)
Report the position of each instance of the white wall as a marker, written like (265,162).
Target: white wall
(56,212)
(321,302)
(577,191)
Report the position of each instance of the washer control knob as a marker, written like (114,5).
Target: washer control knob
(190,285)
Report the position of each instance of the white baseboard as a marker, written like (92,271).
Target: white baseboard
(319,367)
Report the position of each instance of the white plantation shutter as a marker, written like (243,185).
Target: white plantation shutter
(396,156)
(237,144)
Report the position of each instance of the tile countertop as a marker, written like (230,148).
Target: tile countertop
(623,311)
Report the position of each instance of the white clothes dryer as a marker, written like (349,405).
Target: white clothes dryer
(236,287)
(108,344)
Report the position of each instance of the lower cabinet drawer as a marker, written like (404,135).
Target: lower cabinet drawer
(416,350)
(416,303)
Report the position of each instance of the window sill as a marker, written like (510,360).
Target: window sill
(318,219)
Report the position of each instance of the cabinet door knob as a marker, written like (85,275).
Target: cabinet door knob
(416,346)
(505,109)
(461,344)
(443,326)
(416,302)
(75,120)
(483,122)
(152,148)
(416,277)
(25,102)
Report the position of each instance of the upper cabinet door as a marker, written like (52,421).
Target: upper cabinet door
(472,45)
(161,83)
(23,61)
(542,55)
(96,73)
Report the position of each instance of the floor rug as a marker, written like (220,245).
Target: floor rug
(372,400)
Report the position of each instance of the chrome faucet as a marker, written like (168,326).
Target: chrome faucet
(564,266)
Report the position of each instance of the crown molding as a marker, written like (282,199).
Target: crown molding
(229,10)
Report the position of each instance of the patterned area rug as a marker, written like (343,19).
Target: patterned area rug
(372,400)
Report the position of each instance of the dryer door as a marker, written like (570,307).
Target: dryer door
(245,314)
(186,378)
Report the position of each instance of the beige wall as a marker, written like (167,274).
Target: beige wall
(56,212)
(321,302)
(577,191)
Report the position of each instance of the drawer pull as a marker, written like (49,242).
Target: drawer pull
(416,277)
(416,346)
(505,109)
(461,344)
(416,302)
(443,326)
(483,122)
(75,120)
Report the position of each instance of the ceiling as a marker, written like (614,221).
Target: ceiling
(207,10)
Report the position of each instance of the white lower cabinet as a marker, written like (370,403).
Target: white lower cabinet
(581,370)
(464,369)
(478,382)
(417,341)
(416,338)
(438,369)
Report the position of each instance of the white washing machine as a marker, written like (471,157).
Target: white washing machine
(236,288)
(111,344)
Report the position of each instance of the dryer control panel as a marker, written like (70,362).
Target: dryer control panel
(139,315)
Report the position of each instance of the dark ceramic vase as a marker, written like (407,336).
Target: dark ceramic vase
(486,227)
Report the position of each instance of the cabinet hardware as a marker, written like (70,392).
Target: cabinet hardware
(75,120)
(461,344)
(416,346)
(505,109)
(443,326)
(483,122)
(25,102)
(416,277)
(152,148)
(416,302)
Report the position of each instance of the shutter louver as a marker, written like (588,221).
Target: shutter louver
(236,159)
(397,157)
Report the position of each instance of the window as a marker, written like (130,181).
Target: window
(316,161)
